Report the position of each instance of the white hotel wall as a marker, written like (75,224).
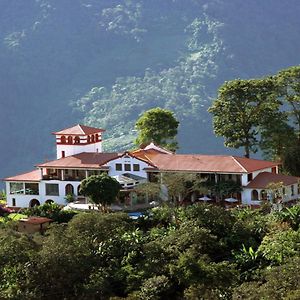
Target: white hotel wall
(127,160)
(246,193)
(24,200)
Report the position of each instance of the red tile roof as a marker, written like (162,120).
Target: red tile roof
(29,176)
(79,130)
(251,164)
(206,163)
(264,178)
(36,220)
(81,160)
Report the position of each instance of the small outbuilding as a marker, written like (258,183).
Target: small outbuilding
(34,224)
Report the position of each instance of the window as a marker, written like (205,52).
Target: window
(13,202)
(118,167)
(63,139)
(274,170)
(52,189)
(16,188)
(250,177)
(77,140)
(136,167)
(127,167)
(292,190)
(63,153)
(31,188)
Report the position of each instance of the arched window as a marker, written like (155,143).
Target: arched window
(263,195)
(63,139)
(78,191)
(70,140)
(77,140)
(254,195)
(49,201)
(88,139)
(97,137)
(34,202)
(93,138)
(69,189)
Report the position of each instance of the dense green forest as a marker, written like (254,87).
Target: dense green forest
(198,252)
(103,62)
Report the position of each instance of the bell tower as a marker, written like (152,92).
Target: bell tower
(78,139)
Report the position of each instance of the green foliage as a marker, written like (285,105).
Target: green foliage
(198,252)
(183,184)
(292,216)
(52,211)
(281,282)
(159,126)
(280,246)
(155,288)
(101,189)
(224,188)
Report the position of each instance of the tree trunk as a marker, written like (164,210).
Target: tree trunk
(247,150)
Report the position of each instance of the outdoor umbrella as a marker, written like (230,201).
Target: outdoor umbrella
(231,200)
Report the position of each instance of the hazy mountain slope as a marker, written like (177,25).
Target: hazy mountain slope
(171,53)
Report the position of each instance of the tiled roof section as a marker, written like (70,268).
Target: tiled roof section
(251,164)
(34,175)
(81,160)
(196,163)
(79,130)
(264,178)
(207,163)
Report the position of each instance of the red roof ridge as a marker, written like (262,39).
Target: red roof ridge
(234,158)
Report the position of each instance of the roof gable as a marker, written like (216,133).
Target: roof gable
(79,130)
(262,180)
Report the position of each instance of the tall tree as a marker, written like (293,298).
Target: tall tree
(242,107)
(101,189)
(159,126)
(288,81)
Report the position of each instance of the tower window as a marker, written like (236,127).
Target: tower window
(63,139)
(97,137)
(76,140)
(70,140)
(93,138)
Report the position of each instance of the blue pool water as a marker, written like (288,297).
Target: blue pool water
(135,215)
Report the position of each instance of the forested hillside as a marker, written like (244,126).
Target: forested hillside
(103,62)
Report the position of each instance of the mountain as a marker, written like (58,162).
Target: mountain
(103,62)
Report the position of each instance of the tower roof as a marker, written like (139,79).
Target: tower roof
(79,130)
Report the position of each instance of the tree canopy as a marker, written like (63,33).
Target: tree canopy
(159,126)
(101,189)
(241,108)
